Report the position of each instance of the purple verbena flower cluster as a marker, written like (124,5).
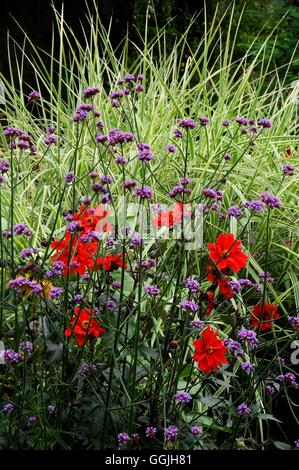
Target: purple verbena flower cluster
(271,201)
(234,347)
(22,229)
(187,123)
(150,431)
(145,153)
(197,324)
(90,92)
(213,194)
(234,211)
(144,192)
(189,305)
(87,369)
(7,408)
(183,397)
(152,290)
(247,367)
(33,96)
(171,433)
(243,409)
(123,439)
(288,169)
(10,356)
(249,337)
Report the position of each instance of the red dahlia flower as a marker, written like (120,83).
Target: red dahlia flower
(211,302)
(222,281)
(84,324)
(112,262)
(77,254)
(225,289)
(93,219)
(211,275)
(170,218)
(209,351)
(263,315)
(71,250)
(227,253)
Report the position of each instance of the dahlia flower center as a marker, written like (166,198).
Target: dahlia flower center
(85,324)
(225,253)
(209,350)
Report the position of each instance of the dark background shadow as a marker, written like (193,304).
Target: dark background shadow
(37,18)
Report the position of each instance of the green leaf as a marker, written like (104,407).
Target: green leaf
(206,421)
(186,372)
(282,445)
(294,13)
(54,352)
(269,417)
(4,223)
(149,352)
(211,401)
(128,281)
